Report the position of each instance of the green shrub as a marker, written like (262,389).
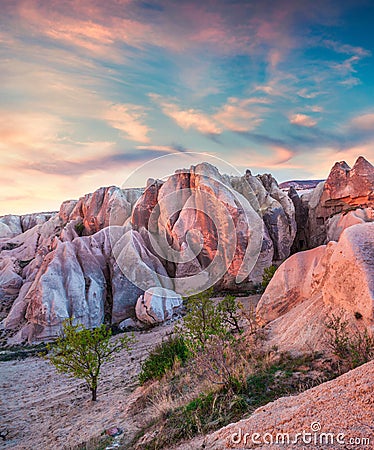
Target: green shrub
(79,228)
(206,319)
(268,275)
(353,348)
(214,409)
(162,358)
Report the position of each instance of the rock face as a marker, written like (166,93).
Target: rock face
(11,225)
(96,256)
(157,305)
(338,223)
(346,190)
(350,395)
(309,286)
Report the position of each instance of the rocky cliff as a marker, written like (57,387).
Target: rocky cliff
(94,258)
(345,198)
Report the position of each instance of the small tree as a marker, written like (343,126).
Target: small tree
(80,352)
(206,318)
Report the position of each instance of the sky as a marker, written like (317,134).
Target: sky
(92,90)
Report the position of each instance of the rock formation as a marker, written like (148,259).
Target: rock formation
(93,258)
(310,286)
(96,256)
(157,305)
(345,198)
(12,225)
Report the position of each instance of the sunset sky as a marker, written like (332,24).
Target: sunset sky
(90,90)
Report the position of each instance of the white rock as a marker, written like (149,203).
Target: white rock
(157,305)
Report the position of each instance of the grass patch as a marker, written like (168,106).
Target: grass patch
(352,347)
(163,357)
(216,408)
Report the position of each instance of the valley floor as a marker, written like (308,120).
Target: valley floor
(46,410)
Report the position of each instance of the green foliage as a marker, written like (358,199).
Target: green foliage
(79,228)
(202,319)
(205,319)
(211,331)
(24,263)
(353,348)
(163,357)
(80,352)
(268,275)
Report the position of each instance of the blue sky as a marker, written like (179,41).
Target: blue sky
(91,90)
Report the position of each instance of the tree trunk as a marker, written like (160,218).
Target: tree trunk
(93,392)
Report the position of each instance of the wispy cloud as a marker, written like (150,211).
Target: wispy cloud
(259,79)
(302,120)
(363,122)
(347,67)
(347,49)
(236,115)
(306,93)
(129,119)
(188,118)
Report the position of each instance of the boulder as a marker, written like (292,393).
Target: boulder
(157,305)
(338,223)
(291,284)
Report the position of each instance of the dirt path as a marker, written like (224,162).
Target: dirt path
(46,410)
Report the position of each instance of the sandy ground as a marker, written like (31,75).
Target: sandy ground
(46,410)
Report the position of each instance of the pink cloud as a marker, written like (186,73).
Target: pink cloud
(83,25)
(129,119)
(364,122)
(303,120)
(99,27)
(191,118)
(277,157)
(315,108)
(237,115)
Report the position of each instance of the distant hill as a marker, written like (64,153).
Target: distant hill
(300,184)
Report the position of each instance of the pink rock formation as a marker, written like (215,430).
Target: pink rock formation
(344,190)
(11,225)
(309,286)
(338,223)
(67,264)
(81,279)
